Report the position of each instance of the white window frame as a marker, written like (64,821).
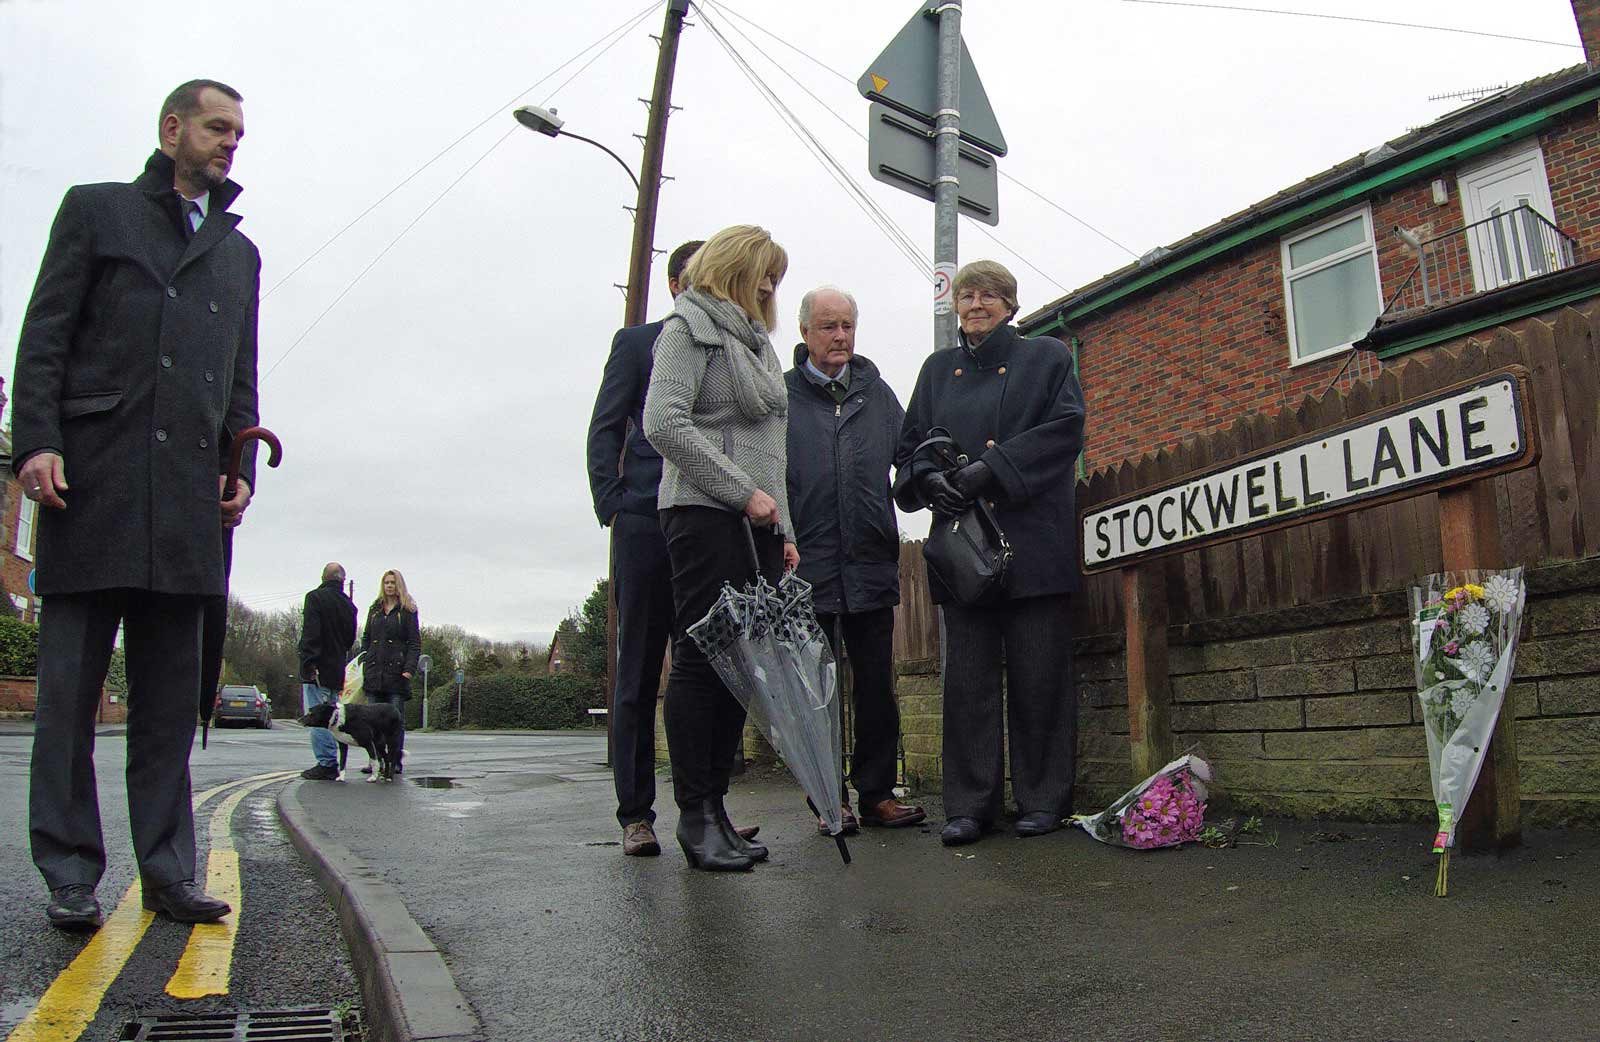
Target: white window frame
(1369,246)
(27,520)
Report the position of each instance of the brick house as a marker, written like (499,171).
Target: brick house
(1487,215)
(17,516)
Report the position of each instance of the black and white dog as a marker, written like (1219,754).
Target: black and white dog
(376,728)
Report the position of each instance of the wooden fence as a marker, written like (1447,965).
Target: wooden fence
(1547,513)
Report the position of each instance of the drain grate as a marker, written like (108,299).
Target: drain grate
(278,1025)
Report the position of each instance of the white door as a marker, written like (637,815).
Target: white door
(1503,201)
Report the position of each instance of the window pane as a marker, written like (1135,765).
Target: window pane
(1334,306)
(1327,242)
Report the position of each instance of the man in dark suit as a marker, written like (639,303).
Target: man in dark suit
(136,364)
(624,471)
(327,633)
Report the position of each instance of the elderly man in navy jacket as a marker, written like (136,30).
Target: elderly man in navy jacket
(844,423)
(624,471)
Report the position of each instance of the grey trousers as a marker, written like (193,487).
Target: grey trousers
(161,637)
(1032,637)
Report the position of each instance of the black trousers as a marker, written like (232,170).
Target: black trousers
(869,636)
(704,722)
(161,637)
(642,576)
(1041,707)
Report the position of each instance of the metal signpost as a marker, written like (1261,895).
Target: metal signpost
(425,663)
(461,678)
(926,74)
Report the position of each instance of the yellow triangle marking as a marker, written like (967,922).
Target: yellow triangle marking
(878,83)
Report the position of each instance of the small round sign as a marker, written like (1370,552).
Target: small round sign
(425,663)
(31,573)
(461,676)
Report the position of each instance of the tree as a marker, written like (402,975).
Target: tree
(585,639)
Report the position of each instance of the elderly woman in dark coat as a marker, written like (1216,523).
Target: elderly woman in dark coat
(717,411)
(1013,406)
(391,643)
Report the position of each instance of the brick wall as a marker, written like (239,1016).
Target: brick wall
(13,569)
(1314,712)
(1192,356)
(19,695)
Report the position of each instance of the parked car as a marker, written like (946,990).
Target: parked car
(243,703)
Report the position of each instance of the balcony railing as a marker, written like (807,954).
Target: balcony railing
(1486,255)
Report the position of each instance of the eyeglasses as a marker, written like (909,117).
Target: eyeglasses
(979,296)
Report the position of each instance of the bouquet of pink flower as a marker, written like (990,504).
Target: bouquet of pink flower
(1165,810)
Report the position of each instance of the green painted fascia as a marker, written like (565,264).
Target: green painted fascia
(1474,325)
(1482,141)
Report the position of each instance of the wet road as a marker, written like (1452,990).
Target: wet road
(508,858)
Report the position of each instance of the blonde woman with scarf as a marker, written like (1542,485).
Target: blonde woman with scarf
(717,411)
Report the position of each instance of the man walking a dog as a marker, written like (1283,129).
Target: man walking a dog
(327,633)
(136,361)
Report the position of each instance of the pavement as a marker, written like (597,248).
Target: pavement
(485,896)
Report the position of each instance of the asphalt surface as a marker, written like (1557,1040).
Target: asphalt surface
(288,951)
(505,850)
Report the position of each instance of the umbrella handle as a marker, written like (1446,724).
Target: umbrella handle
(750,544)
(236,457)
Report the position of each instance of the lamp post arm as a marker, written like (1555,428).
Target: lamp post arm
(620,161)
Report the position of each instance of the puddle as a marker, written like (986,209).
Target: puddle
(435,781)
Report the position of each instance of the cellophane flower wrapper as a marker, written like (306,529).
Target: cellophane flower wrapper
(1465,626)
(1165,810)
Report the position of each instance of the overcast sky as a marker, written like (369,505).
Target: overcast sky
(434,420)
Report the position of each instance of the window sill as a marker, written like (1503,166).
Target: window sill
(1323,355)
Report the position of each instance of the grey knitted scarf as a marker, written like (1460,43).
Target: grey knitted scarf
(752,360)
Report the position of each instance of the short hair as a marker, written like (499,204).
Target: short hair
(811,296)
(333,570)
(731,265)
(184,101)
(680,258)
(990,275)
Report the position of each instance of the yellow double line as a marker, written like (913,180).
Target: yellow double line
(70,1004)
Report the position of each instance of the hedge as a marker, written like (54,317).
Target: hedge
(521,701)
(19,647)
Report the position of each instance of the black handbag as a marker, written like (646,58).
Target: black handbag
(968,553)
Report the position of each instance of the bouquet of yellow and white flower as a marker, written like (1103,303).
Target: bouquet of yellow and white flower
(1464,633)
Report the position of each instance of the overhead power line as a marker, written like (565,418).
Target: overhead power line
(1353,18)
(615,35)
(857,132)
(836,170)
(841,76)
(618,32)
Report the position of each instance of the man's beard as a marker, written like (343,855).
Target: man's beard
(197,168)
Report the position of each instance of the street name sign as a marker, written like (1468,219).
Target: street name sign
(900,152)
(905,78)
(1460,434)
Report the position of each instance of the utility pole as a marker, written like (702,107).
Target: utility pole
(947,161)
(638,291)
(655,146)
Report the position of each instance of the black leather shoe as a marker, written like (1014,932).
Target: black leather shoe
(1037,823)
(74,907)
(185,903)
(735,839)
(705,844)
(961,831)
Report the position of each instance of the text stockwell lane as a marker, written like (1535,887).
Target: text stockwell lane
(1464,430)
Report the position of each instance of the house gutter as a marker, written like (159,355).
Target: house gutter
(1323,198)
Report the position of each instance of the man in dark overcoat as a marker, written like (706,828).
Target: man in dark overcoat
(624,470)
(136,365)
(844,424)
(327,633)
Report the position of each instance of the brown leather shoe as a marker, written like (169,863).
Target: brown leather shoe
(747,832)
(892,814)
(851,826)
(639,840)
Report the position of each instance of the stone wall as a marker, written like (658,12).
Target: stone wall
(1312,712)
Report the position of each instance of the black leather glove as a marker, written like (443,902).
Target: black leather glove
(972,479)
(941,495)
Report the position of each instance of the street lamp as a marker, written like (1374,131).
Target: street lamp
(546,122)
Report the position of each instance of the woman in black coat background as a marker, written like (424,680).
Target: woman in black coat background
(391,643)
(1013,406)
